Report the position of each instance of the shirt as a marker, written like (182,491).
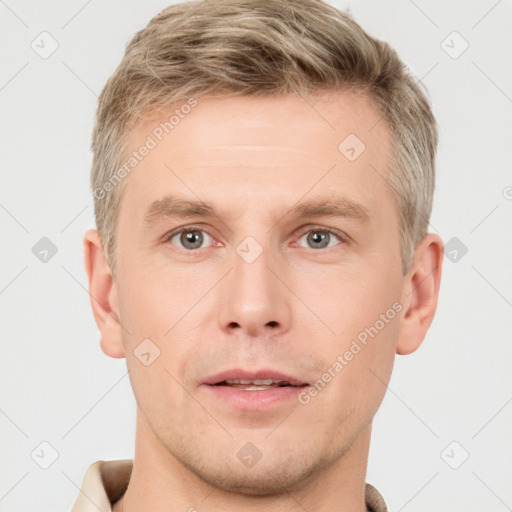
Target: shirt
(105,482)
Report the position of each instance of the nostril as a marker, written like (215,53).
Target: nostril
(272,323)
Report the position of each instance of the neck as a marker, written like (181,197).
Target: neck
(159,482)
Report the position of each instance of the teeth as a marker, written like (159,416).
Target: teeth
(254,385)
(260,382)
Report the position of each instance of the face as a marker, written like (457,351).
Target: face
(273,304)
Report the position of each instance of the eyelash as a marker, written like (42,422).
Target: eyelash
(340,235)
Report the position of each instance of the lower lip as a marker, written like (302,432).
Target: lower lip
(259,400)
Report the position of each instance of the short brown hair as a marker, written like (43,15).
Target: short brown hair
(263,47)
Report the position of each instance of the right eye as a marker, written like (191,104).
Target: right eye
(190,238)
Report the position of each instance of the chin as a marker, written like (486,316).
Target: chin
(266,478)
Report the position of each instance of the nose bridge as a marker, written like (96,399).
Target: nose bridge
(250,273)
(253,298)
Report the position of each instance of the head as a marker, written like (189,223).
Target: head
(300,156)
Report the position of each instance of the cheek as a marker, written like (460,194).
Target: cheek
(152,299)
(346,301)
(160,329)
(364,313)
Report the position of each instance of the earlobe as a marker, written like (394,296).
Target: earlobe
(421,292)
(103,295)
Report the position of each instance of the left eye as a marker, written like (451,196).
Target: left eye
(191,239)
(320,238)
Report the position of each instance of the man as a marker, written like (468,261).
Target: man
(263,177)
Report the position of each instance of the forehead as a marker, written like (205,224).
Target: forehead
(265,143)
(288,125)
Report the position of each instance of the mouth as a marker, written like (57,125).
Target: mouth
(255,391)
(256,380)
(256,384)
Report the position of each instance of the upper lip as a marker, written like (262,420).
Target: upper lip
(252,375)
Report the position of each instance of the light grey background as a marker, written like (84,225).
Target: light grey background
(58,387)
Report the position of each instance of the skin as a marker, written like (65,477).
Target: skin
(295,308)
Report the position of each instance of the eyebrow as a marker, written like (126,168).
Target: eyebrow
(175,207)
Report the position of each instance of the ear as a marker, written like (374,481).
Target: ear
(103,295)
(421,291)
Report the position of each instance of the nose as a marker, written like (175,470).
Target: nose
(255,302)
